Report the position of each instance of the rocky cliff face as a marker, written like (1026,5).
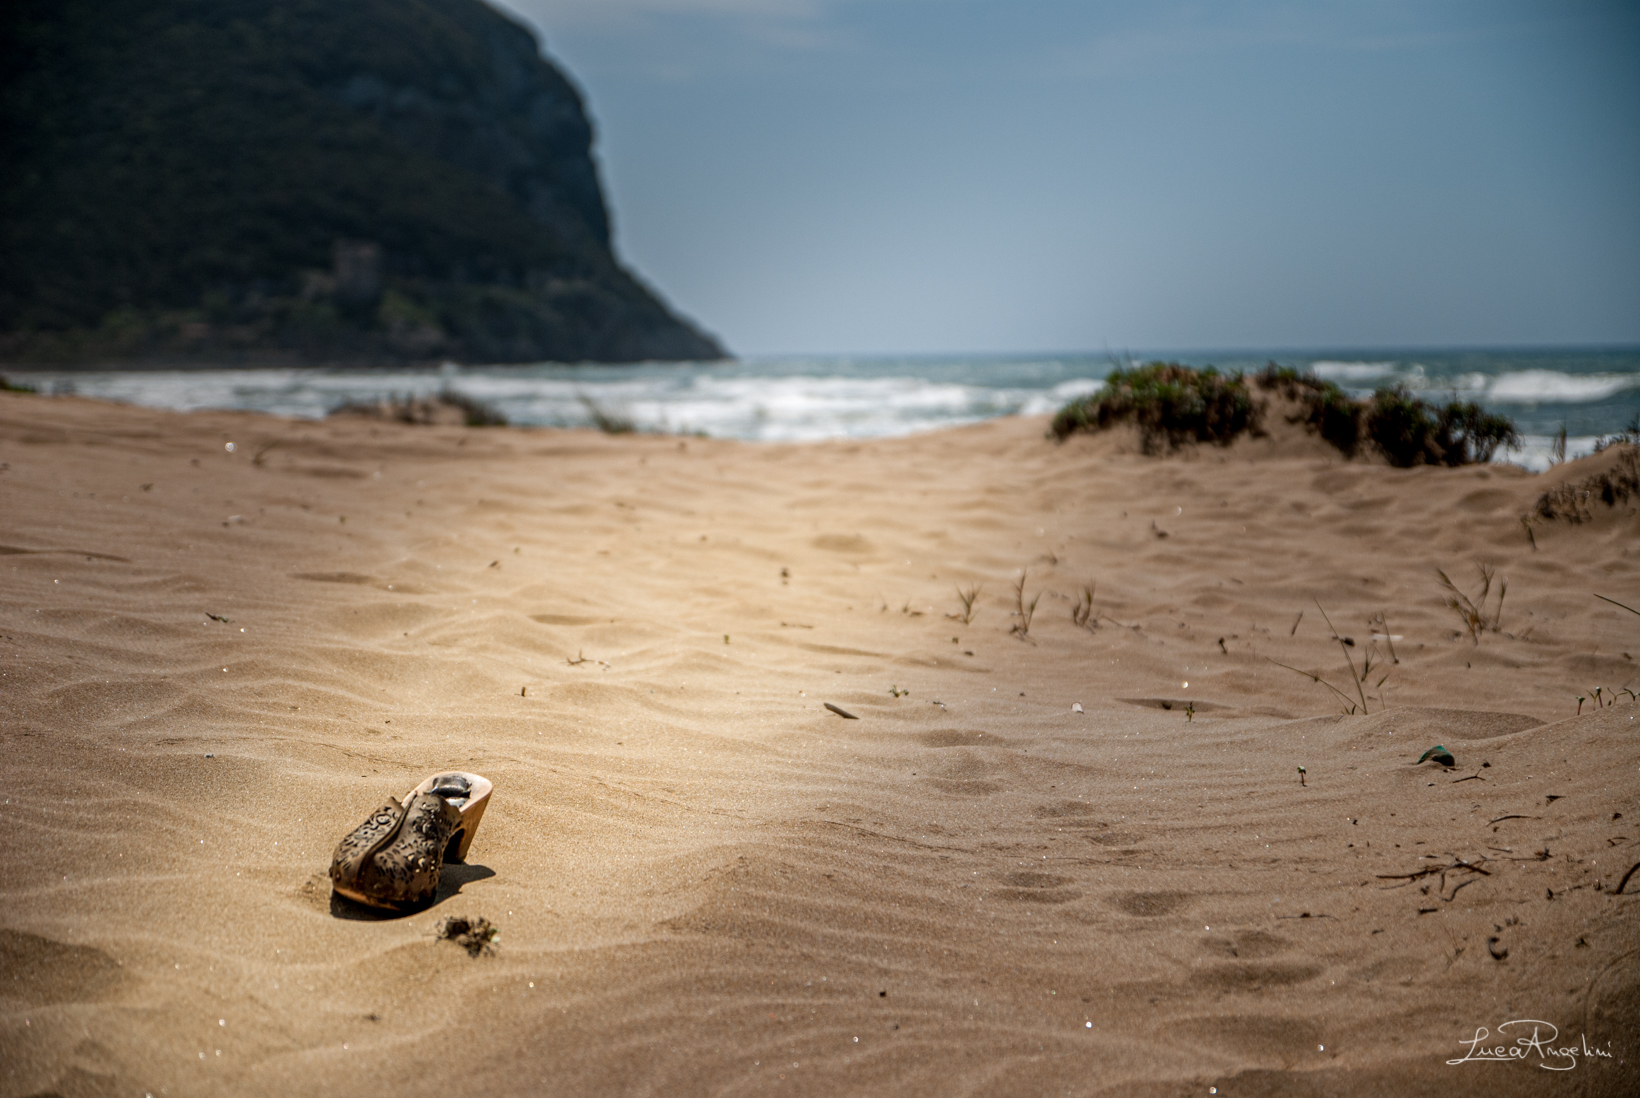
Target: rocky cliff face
(335,180)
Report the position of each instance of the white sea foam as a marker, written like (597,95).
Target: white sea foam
(722,402)
(1354,371)
(1552,386)
(1534,386)
(1537,452)
(1039,404)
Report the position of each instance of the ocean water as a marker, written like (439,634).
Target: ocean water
(1588,392)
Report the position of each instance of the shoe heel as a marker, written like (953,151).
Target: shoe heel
(470,817)
(478,799)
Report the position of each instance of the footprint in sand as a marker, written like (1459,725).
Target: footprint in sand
(966,776)
(1068,814)
(1247,944)
(1151,904)
(1254,977)
(1079,814)
(40,970)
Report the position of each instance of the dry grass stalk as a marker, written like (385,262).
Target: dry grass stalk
(1344,647)
(1382,623)
(1022,627)
(967,596)
(1315,678)
(1473,612)
(1358,704)
(1082,612)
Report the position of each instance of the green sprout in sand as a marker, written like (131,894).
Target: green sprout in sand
(1301,773)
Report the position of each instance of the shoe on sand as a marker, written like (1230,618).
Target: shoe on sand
(470,794)
(395,857)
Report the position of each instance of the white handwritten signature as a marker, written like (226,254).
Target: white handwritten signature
(1521,1046)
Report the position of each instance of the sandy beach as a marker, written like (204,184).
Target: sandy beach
(1082,860)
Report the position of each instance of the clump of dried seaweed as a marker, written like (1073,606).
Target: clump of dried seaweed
(474,933)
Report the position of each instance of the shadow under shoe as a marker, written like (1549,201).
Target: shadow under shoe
(394,858)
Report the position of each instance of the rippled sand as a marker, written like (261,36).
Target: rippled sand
(705,881)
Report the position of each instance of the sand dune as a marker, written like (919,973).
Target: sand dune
(216,662)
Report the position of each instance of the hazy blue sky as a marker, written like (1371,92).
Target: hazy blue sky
(978,175)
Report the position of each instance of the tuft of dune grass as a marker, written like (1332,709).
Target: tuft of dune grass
(1169,403)
(425,411)
(1172,404)
(1618,483)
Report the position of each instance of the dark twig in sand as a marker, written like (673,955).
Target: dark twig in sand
(844,713)
(1614,602)
(1513,817)
(1458,865)
(1624,882)
(577,661)
(1293,632)
(1457,887)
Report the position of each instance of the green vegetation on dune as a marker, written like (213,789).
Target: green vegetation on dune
(1409,431)
(1328,410)
(330,179)
(1169,403)
(1172,404)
